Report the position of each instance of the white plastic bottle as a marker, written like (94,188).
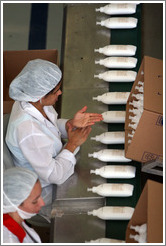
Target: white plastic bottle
(140,229)
(141,83)
(113,97)
(133,126)
(130,135)
(136,111)
(115,155)
(113,213)
(110,138)
(114,116)
(118,9)
(113,190)
(118,62)
(105,240)
(115,171)
(142,238)
(129,141)
(117,76)
(139,96)
(117,50)
(139,88)
(119,22)
(136,104)
(134,119)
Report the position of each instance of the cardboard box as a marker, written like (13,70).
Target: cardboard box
(13,63)
(149,209)
(147,142)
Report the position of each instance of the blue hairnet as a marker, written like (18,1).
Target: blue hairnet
(17,185)
(36,79)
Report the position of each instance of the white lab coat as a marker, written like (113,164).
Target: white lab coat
(35,143)
(9,237)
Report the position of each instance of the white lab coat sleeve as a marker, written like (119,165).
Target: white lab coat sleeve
(39,150)
(61,123)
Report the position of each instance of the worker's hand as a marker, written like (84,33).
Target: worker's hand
(83,119)
(76,137)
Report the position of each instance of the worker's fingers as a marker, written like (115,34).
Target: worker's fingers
(83,109)
(86,130)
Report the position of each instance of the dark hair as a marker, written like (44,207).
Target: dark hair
(31,190)
(50,92)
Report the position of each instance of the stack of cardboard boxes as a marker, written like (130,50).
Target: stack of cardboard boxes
(146,144)
(147,141)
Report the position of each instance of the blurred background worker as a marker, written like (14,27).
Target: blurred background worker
(21,200)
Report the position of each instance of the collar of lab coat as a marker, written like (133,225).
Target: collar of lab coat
(49,110)
(14,227)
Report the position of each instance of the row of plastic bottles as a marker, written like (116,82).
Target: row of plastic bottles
(121,60)
(118,22)
(137,110)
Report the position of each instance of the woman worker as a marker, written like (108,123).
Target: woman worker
(34,132)
(21,200)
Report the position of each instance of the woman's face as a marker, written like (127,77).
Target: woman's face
(52,98)
(34,202)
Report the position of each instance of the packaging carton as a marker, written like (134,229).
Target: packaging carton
(149,209)
(13,63)
(147,142)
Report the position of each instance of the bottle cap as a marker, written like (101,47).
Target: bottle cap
(93,138)
(90,212)
(96,76)
(98,23)
(97,62)
(92,171)
(94,98)
(93,212)
(93,189)
(98,98)
(97,10)
(90,155)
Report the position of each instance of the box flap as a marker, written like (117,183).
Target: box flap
(153,84)
(155,212)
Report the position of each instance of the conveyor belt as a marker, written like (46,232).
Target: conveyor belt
(117,229)
(79,86)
